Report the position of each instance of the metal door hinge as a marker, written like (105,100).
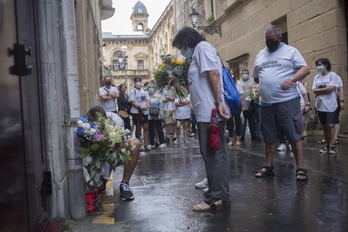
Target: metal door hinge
(19,53)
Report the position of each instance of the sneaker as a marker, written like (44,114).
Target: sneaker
(192,135)
(163,145)
(148,148)
(203,184)
(282,147)
(125,192)
(205,190)
(176,141)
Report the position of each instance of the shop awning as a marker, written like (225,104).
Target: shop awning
(238,57)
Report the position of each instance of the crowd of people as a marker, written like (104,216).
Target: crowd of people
(275,104)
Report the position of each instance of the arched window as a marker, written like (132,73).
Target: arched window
(140,27)
(115,62)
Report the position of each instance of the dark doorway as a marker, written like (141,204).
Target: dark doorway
(23,165)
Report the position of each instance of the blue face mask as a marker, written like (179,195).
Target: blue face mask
(245,77)
(151,90)
(321,69)
(186,52)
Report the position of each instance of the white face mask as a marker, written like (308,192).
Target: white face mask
(245,77)
(138,85)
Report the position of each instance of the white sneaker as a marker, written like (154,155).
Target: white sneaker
(205,190)
(192,135)
(282,147)
(203,184)
(163,145)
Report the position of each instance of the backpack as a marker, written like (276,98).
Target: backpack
(230,91)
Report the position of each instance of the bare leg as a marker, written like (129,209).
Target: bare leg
(178,128)
(185,126)
(270,149)
(168,130)
(337,130)
(146,133)
(130,166)
(298,150)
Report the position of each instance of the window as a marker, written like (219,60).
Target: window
(140,65)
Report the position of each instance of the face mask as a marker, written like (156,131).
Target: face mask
(186,52)
(122,90)
(232,76)
(108,83)
(138,85)
(321,69)
(151,90)
(245,77)
(272,45)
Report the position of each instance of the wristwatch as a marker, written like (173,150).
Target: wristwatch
(291,78)
(217,101)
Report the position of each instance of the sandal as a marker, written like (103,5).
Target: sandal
(332,150)
(324,149)
(268,172)
(336,142)
(321,141)
(301,172)
(203,206)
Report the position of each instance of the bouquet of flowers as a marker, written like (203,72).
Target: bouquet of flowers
(100,142)
(173,73)
(254,93)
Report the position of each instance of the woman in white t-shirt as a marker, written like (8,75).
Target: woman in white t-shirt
(183,115)
(325,87)
(140,101)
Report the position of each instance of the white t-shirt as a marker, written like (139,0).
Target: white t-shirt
(169,105)
(247,86)
(239,88)
(301,90)
(117,120)
(140,97)
(326,102)
(273,68)
(205,58)
(107,105)
(183,112)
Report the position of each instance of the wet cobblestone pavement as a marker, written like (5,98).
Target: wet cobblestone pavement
(163,186)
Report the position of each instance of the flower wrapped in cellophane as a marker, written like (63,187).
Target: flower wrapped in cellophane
(254,93)
(173,74)
(101,143)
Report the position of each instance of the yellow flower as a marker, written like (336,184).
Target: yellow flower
(161,66)
(178,62)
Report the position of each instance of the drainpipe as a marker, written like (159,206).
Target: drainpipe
(76,184)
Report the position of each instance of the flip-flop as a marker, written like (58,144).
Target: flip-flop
(205,207)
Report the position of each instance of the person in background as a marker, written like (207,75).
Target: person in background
(133,148)
(278,67)
(248,112)
(124,106)
(325,87)
(140,101)
(108,94)
(183,113)
(169,114)
(155,116)
(234,123)
(205,85)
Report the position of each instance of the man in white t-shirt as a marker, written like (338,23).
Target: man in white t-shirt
(278,67)
(169,114)
(108,94)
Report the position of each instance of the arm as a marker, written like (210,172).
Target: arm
(299,75)
(325,90)
(114,95)
(214,82)
(341,94)
(167,99)
(147,105)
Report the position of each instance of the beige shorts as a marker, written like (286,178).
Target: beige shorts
(169,117)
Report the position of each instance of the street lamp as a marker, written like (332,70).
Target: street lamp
(208,29)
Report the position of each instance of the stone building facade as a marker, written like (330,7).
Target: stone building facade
(144,46)
(316,28)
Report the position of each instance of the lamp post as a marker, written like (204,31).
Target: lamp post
(122,59)
(208,29)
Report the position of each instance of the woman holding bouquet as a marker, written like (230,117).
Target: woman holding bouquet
(205,94)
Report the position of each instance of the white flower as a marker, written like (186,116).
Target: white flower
(79,123)
(86,126)
(91,131)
